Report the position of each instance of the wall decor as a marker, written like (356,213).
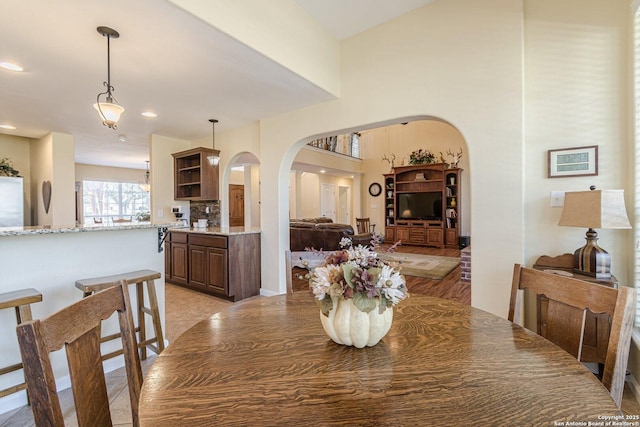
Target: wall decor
(46,195)
(578,161)
(375,189)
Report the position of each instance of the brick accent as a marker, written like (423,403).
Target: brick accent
(465,264)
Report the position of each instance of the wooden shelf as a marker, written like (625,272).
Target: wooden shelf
(443,232)
(194,177)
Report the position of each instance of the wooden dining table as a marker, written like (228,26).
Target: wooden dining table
(267,361)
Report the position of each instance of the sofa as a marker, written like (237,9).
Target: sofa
(322,233)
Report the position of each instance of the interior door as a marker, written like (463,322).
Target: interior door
(236,205)
(328,201)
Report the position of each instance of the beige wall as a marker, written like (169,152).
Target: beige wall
(162,179)
(17,149)
(285,34)
(106,173)
(460,61)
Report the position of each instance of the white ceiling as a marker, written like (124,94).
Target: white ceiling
(165,60)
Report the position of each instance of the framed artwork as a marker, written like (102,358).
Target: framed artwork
(578,161)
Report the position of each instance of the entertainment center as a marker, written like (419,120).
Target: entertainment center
(422,205)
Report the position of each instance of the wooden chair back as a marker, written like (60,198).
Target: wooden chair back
(363,225)
(569,300)
(77,328)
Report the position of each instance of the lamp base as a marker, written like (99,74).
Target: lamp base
(591,260)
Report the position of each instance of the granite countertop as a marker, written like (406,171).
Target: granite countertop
(220,231)
(35,230)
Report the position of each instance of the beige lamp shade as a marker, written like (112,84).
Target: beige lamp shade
(595,209)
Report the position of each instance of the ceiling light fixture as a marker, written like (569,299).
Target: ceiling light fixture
(215,158)
(11,66)
(109,110)
(146,185)
(7,127)
(149,114)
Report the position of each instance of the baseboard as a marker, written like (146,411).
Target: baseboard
(634,386)
(267,293)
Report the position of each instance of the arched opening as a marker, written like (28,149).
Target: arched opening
(318,171)
(241,191)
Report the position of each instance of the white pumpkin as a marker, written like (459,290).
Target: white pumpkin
(349,326)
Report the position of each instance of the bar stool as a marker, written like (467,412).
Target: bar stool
(139,277)
(21,300)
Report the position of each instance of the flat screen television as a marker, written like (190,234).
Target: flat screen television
(420,205)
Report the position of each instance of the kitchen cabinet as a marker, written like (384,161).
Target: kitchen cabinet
(176,258)
(194,177)
(210,269)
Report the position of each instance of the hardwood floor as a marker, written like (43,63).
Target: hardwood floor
(448,288)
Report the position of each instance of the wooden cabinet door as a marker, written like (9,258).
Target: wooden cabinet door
(197,266)
(435,236)
(451,237)
(402,233)
(217,279)
(178,264)
(390,234)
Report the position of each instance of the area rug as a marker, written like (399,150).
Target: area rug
(427,266)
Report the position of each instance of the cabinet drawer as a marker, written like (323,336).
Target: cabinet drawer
(211,241)
(178,237)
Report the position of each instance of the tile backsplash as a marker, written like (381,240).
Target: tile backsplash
(198,210)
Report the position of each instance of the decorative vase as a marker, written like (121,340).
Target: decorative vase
(347,325)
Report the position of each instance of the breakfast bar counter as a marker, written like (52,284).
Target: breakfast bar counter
(51,259)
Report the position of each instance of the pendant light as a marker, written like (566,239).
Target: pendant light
(109,110)
(215,158)
(146,185)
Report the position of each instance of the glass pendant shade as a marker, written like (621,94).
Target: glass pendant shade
(214,160)
(109,112)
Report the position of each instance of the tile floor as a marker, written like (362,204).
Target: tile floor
(183,309)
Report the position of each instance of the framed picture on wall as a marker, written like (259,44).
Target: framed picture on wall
(578,161)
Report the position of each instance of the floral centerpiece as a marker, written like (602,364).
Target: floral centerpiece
(355,291)
(421,157)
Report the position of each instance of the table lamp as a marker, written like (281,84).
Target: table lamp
(594,209)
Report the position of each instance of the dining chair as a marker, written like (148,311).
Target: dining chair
(77,328)
(569,301)
(363,225)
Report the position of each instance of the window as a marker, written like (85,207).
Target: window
(104,202)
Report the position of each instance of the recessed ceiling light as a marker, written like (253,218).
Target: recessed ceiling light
(7,127)
(322,171)
(122,138)
(11,66)
(149,114)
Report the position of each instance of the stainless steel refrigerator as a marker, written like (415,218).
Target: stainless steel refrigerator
(11,202)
